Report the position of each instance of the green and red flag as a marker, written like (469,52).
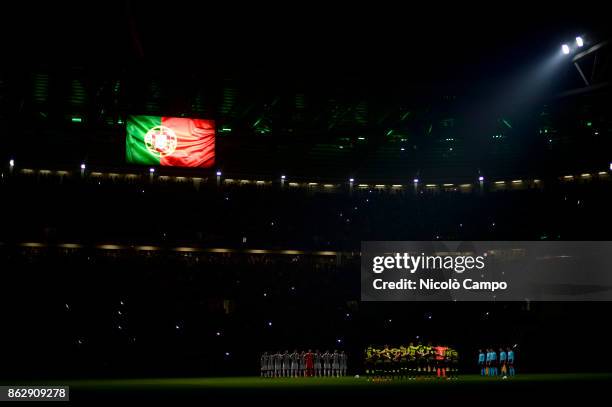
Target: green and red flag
(170,141)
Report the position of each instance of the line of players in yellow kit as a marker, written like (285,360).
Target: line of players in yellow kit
(411,362)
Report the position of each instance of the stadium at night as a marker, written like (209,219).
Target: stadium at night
(235,209)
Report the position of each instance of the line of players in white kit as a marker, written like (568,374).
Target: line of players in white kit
(304,364)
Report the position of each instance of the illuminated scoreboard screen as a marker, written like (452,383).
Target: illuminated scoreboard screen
(170,141)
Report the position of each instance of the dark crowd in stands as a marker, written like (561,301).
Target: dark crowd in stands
(70,209)
(92,311)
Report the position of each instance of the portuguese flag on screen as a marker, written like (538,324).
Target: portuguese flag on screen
(170,141)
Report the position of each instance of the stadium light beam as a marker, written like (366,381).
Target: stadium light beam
(565,49)
(579,41)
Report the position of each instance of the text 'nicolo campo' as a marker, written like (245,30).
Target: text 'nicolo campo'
(406,262)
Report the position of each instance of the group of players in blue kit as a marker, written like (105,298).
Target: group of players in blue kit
(491,365)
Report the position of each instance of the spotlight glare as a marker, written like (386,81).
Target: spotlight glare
(82,166)
(351,179)
(218,173)
(579,41)
(416,180)
(151,170)
(565,49)
(282,177)
(481,178)
(11,162)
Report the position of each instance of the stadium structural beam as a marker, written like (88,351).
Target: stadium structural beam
(593,67)
(594,83)
(594,48)
(586,81)
(585,89)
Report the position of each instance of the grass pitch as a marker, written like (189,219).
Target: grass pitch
(550,388)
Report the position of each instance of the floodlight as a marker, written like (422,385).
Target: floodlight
(565,49)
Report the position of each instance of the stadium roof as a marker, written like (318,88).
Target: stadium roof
(329,95)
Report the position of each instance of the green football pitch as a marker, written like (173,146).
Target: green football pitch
(528,387)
